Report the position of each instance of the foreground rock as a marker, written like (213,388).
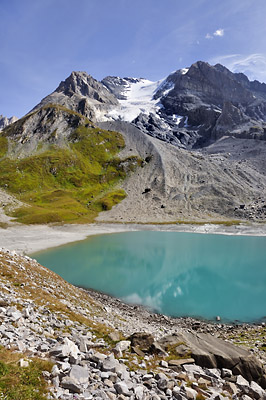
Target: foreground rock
(43,316)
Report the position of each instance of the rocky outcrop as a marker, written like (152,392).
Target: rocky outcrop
(211,352)
(4,121)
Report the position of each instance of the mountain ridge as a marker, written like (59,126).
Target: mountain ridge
(209,161)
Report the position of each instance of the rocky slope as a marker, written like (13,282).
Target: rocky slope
(226,181)
(104,349)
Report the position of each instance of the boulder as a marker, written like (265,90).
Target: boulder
(211,352)
(122,388)
(70,384)
(142,341)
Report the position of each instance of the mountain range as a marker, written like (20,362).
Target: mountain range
(193,147)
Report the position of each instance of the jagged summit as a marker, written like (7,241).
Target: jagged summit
(82,93)
(4,121)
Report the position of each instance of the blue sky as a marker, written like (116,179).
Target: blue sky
(42,41)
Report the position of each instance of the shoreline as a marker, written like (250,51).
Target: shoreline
(30,239)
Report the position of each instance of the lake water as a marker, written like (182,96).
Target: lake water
(178,274)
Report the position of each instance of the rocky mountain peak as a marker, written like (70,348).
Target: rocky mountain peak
(4,121)
(83,84)
(82,93)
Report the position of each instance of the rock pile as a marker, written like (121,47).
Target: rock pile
(95,361)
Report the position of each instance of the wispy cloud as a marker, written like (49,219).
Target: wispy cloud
(218,32)
(252,65)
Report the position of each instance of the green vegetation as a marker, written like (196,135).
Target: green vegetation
(22,383)
(68,184)
(3,146)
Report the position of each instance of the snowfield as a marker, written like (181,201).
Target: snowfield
(139,99)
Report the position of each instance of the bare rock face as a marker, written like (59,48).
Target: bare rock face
(82,93)
(4,121)
(215,101)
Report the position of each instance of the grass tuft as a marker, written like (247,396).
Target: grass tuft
(22,383)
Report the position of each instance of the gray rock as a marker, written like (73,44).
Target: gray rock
(123,345)
(242,382)
(226,373)
(55,371)
(162,383)
(164,364)
(190,393)
(70,384)
(13,313)
(79,374)
(256,391)
(122,388)
(139,391)
(68,348)
(142,340)
(97,357)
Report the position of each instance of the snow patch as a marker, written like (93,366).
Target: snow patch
(139,99)
(184,71)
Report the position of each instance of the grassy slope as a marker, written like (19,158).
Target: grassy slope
(68,184)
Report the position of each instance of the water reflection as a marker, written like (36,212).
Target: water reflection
(173,273)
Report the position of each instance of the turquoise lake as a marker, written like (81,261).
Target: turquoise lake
(177,274)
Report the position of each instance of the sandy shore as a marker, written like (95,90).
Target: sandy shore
(32,238)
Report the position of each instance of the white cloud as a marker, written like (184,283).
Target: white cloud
(219,32)
(252,65)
